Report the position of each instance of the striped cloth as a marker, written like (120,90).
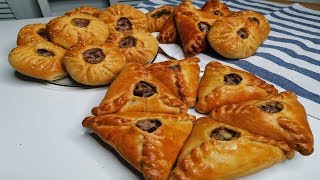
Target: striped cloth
(289,58)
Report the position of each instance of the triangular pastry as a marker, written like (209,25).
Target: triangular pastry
(180,76)
(158,17)
(280,117)
(220,151)
(137,90)
(150,142)
(216,7)
(223,84)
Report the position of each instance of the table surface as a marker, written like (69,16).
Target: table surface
(42,137)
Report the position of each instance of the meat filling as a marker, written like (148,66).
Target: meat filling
(232,79)
(160,14)
(79,22)
(93,56)
(243,33)
(204,27)
(127,42)
(224,134)
(123,24)
(271,107)
(144,89)
(43,33)
(148,125)
(45,53)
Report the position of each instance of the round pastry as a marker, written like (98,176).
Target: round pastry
(123,17)
(66,31)
(41,60)
(94,64)
(239,35)
(137,46)
(32,32)
(157,17)
(84,9)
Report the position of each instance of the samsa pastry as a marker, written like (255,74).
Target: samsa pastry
(150,142)
(137,46)
(85,9)
(239,35)
(31,33)
(40,60)
(216,7)
(137,90)
(280,117)
(220,151)
(66,31)
(180,76)
(158,17)
(223,84)
(94,64)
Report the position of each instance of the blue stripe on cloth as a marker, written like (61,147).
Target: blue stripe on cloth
(316,41)
(293,8)
(280,23)
(271,4)
(246,7)
(254,6)
(294,21)
(297,16)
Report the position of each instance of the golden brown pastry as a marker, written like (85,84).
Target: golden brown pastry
(84,9)
(216,7)
(41,60)
(123,17)
(137,46)
(280,117)
(157,17)
(239,35)
(193,26)
(32,32)
(137,90)
(150,142)
(220,151)
(94,64)
(180,76)
(223,84)
(66,31)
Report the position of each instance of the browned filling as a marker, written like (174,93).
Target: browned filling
(123,24)
(144,89)
(204,27)
(271,107)
(43,33)
(217,12)
(243,33)
(232,79)
(254,19)
(45,53)
(224,134)
(79,22)
(175,67)
(127,42)
(148,125)
(94,55)
(160,14)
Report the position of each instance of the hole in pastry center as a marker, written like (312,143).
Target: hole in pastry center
(271,107)
(43,33)
(123,24)
(254,19)
(175,67)
(204,27)
(224,134)
(144,89)
(217,12)
(94,55)
(45,53)
(127,42)
(243,33)
(160,14)
(232,79)
(148,125)
(79,22)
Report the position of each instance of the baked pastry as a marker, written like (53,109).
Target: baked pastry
(66,31)
(157,17)
(41,60)
(94,64)
(180,76)
(280,117)
(32,32)
(123,17)
(150,142)
(220,151)
(193,26)
(137,46)
(216,7)
(84,9)
(223,84)
(239,35)
(137,90)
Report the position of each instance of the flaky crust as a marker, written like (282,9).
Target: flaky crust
(158,17)
(214,92)
(88,73)
(153,153)
(26,60)
(289,125)
(180,76)
(65,34)
(204,157)
(31,33)
(84,9)
(145,49)
(120,96)
(216,7)
(239,35)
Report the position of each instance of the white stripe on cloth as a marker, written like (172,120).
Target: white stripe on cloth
(293,31)
(257,4)
(230,3)
(306,21)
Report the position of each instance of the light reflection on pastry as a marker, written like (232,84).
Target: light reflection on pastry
(158,17)
(31,33)
(84,9)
